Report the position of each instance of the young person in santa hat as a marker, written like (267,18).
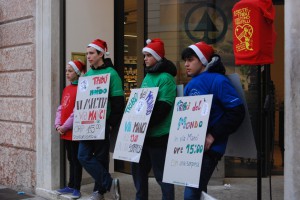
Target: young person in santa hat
(94,154)
(227,110)
(64,124)
(160,73)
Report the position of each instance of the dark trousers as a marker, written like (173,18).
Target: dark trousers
(209,163)
(151,157)
(75,166)
(94,157)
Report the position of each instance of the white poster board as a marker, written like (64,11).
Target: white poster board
(134,124)
(186,140)
(91,107)
(205,196)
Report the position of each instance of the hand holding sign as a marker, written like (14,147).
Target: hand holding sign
(91,107)
(186,140)
(134,124)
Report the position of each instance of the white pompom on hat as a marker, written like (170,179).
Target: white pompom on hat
(203,51)
(78,66)
(156,48)
(100,45)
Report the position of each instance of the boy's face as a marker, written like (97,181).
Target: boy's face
(93,57)
(71,74)
(149,59)
(193,66)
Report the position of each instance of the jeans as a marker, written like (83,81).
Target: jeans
(151,157)
(209,164)
(94,157)
(74,164)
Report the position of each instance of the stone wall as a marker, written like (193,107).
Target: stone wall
(17,94)
(291,101)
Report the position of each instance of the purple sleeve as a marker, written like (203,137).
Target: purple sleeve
(58,117)
(68,123)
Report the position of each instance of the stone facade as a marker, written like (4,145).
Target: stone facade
(291,101)
(17,94)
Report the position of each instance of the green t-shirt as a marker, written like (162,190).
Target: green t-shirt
(115,83)
(166,93)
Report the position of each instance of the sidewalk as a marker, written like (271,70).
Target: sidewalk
(239,188)
(10,194)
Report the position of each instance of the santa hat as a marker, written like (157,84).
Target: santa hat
(203,51)
(100,45)
(156,48)
(78,66)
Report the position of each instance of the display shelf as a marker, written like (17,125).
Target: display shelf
(130,75)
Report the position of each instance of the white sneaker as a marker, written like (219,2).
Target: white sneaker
(115,189)
(96,196)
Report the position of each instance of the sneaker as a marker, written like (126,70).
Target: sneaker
(65,190)
(76,194)
(115,189)
(96,196)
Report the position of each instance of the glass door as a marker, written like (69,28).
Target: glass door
(133,68)
(133,44)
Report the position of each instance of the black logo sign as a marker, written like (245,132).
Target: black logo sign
(206,30)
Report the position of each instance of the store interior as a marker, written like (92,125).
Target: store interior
(234,166)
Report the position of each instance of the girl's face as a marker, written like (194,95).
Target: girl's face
(71,74)
(193,66)
(149,60)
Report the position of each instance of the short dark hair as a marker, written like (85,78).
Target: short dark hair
(188,53)
(98,52)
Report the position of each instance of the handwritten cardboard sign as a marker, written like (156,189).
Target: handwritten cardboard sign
(186,140)
(91,107)
(134,124)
